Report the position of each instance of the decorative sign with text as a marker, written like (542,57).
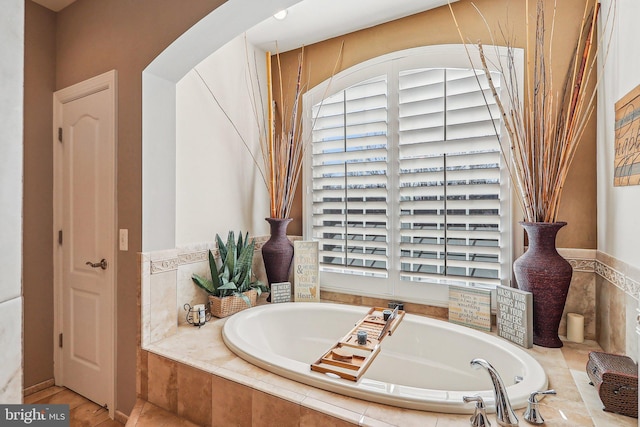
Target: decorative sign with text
(515,315)
(305,264)
(470,307)
(627,140)
(280,292)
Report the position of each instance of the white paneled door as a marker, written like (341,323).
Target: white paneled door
(85,228)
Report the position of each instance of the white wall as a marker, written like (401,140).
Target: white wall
(159,81)
(218,185)
(11,107)
(618,207)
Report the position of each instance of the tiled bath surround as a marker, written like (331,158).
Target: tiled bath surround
(167,285)
(603,289)
(194,375)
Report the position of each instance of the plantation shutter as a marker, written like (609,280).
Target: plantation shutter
(444,211)
(349,179)
(449,169)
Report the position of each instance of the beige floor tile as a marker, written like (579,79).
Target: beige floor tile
(135,413)
(154,416)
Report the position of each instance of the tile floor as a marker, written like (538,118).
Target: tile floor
(82,412)
(146,414)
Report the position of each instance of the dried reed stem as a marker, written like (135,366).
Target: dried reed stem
(545,133)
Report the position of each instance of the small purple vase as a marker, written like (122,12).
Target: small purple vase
(277,252)
(542,271)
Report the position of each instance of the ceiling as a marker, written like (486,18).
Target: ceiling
(311,21)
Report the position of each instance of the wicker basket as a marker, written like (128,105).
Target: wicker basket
(226,306)
(616,379)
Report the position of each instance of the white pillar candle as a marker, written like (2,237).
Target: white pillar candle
(575,327)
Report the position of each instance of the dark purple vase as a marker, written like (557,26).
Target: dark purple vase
(277,252)
(542,271)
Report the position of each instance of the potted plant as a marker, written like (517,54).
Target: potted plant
(231,287)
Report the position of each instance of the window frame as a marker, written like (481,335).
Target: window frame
(438,56)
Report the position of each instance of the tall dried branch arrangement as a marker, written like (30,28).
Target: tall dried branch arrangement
(546,129)
(282,144)
(285,144)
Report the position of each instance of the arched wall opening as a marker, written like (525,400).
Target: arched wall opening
(159,81)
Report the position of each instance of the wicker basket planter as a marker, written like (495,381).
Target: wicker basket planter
(226,306)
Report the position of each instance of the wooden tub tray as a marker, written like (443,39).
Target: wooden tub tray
(348,359)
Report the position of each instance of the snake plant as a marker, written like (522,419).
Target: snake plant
(234,275)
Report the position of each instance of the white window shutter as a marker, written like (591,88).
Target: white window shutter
(349,167)
(449,166)
(446,210)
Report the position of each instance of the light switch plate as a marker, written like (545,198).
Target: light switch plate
(124,239)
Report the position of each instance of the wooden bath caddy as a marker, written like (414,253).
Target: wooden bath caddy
(348,359)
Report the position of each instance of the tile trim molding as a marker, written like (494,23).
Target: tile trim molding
(164,265)
(583,265)
(621,281)
(610,274)
(625,277)
(582,260)
(192,254)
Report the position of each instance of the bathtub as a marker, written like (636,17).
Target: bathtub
(424,365)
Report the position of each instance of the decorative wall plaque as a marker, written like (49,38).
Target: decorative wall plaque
(515,315)
(627,140)
(305,264)
(470,307)
(280,292)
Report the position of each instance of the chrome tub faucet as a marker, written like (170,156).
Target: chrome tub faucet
(504,413)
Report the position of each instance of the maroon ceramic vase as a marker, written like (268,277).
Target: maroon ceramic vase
(547,275)
(277,252)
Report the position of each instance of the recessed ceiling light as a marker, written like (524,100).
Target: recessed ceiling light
(281,15)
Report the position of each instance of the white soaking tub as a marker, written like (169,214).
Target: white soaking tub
(424,365)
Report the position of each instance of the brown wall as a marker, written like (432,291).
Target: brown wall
(37,273)
(434,27)
(94,37)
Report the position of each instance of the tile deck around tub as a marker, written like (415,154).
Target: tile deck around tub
(576,403)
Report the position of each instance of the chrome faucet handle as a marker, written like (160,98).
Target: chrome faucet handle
(532,415)
(479,417)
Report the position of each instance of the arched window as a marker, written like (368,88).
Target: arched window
(406,184)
